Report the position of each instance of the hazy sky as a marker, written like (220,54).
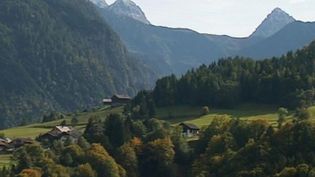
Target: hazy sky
(232,17)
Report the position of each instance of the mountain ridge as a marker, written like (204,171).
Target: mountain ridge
(175,50)
(294,36)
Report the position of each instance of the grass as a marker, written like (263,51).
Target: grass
(5,160)
(175,115)
(33,130)
(248,112)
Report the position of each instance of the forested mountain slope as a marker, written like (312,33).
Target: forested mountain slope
(286,81)
(59,55)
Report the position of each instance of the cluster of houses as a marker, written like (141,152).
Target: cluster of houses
(64,133)
(7,145)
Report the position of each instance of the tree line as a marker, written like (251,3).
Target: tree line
(286,81)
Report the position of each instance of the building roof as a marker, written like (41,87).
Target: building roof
(22,141)
(54,133)
(3,144)
(107,100)
(60,131)
(64,129)
(190,126)
(123,97)
(5,140)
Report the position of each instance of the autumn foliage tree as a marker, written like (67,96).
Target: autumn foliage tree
(102,162)
(157,158)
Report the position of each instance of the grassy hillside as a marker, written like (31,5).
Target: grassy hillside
(5,160)
(175,115)
(245,112)
(33,130)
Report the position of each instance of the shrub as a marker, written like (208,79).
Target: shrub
(205,110)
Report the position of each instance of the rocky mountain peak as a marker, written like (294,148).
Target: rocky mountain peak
(273,23)
(130,9)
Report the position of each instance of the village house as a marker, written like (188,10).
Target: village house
(3,146)
(5,140)
(189,129)
(19,142)
(117,100)
(8,145)
(60,133)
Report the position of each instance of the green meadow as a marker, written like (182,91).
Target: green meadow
(5,160)
(175,115)
(33,130)
(248,112)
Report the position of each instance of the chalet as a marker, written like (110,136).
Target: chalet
(7,145)
(189,129)
(60,133)
(119,100)
(19,142)
(3,146)
(5,140)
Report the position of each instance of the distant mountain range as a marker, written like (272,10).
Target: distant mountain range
(171,50)
(293,36)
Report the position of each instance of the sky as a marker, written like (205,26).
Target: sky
(237,18)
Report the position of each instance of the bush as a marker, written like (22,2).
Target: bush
(302,114)
(30,173)
(205,110)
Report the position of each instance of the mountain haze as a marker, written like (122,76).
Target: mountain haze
(172,50)
(293,36)
(165,50)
